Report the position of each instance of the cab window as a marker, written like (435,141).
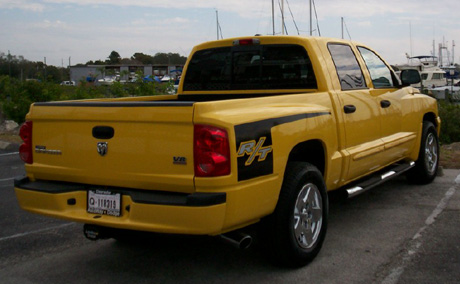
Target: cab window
(348,69)
(380,73)
(251,67)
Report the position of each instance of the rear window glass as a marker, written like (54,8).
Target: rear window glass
(348,69)
(250,67)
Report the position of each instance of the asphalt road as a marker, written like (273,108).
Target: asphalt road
(395,233)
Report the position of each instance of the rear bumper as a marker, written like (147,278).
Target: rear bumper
(163,212)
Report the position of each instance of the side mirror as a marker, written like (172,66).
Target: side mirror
(409,77)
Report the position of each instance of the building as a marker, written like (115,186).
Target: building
(124,72)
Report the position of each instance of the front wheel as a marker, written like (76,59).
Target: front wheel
(426,166)
(297,228)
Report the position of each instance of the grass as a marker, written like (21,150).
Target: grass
(450,156)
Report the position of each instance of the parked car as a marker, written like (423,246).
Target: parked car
(67,83)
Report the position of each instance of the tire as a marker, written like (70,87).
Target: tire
(296,230)
(426,166)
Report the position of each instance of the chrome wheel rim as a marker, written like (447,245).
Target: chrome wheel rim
(308,216)
(431,153)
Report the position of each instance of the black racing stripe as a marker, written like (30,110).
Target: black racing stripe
(271,122)
(254,131)
(118,104)
(221,97)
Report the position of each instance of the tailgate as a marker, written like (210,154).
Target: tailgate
(146,145)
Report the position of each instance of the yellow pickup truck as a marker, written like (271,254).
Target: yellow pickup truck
(260,130)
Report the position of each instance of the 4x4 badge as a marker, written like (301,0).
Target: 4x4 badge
(102,148)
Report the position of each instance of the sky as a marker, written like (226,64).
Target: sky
(83,30)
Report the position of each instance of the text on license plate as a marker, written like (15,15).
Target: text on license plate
(104,202)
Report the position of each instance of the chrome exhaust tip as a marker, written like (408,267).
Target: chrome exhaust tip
(239,240)
(95,233)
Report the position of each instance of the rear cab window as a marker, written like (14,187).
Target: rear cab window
(251,67)
(347,66)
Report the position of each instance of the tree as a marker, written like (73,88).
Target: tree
(18,67)
(91,62)
(159,58)
(143,58)
(114,58)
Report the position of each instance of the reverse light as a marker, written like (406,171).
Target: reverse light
(211,151)
(25,150)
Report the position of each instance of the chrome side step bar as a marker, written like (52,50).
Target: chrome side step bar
(379,178)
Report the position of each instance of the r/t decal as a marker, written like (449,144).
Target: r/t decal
(253,150)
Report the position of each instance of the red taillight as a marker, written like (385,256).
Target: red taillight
(25,150)
(246,41)
(211,151)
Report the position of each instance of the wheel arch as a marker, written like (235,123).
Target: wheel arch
(431,117)
(311,151)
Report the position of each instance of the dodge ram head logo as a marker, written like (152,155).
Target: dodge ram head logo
(253,149)
(102,148)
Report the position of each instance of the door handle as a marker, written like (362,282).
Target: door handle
(385,103)
(349,109)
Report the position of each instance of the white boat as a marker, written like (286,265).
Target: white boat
(431,74)
(433,78)
(443,93)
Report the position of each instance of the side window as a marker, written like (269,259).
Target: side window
(348,70)
(438,76)
(380,73)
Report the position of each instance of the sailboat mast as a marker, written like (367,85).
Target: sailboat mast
(217,24)
(273,16)
(342,26)
(311,21)
(282,17)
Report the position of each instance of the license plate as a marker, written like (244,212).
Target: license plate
(104,202)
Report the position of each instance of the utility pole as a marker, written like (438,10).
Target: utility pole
(9,62)
(44,67)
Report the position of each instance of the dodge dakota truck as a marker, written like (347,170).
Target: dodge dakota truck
(260,130)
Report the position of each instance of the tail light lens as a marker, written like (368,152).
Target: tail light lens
(211,151)
(25,150)
(246,41)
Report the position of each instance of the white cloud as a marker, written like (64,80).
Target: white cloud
(364,24)
(85,32)
(46,24)
(22,5)
(331,8)
(179,20)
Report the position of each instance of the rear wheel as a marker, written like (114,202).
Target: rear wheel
(297,228)
(427,163)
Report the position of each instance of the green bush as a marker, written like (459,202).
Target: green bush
(16,96)
(450,125)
